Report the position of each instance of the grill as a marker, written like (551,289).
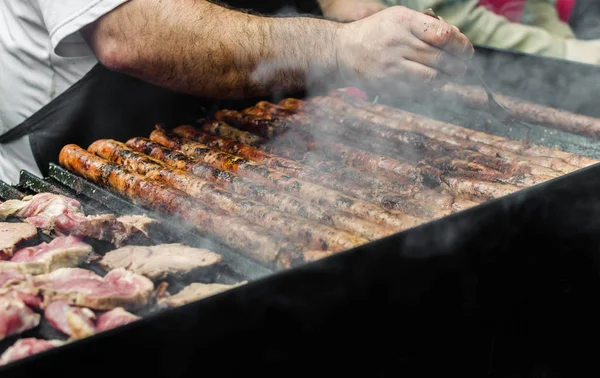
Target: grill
(278,297)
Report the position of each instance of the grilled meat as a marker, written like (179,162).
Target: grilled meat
(12,235)
(195,292)
(310,233)
(486,144)
(62,252)
(281,200)
(362,121)
(526,111)
(16,317)
(80,287)
(160,261)
(26,347)
(315,193)
(263,128)
(222,129)
(237,233)
(10,278)
(114,318)
(76,322)
(62,215)
(323,172)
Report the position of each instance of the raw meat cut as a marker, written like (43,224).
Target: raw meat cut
(80,287)
(62,252)
(159,261)
(27,347)
(12,234)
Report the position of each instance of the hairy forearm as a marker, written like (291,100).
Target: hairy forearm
(196,47)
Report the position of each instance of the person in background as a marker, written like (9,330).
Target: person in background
(538,27)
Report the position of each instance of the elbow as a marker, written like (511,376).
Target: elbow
(115,55)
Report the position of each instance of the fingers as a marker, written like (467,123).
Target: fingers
(436,58)
(440,34)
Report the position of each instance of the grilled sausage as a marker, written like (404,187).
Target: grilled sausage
(311,233)
(264,128)
(222,129)
(283,201)
(338,178)
(360,120)
(486,144)
(315,193)
(383,165)
(527,111)
(237,233)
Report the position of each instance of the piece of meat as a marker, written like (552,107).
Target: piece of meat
(64,216)
(10,278)
(26,347)
(195,292)
(159,261)
(486,144)
(114,318)
(24,293)
(556,118)
(263,128)
(224,130)
(81,287)
(250,239)
(317,194)
(62,252)
(16,317)
(76,322)
(138,224)
(12,235)
(283,201)
(328,174)
(320,171)
(368,123)
(310,233)
(47,211)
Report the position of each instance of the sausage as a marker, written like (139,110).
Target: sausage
(249,239)
(349,182)
(316,194)
(360,120)
(486,144)
(283,201)
(527,111)
(311,233)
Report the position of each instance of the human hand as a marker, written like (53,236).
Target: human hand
(399,46)
(350,10)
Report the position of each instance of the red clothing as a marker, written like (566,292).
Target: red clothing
(513,9)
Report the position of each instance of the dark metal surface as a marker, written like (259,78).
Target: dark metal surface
(8,192)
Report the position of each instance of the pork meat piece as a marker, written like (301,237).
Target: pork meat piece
(76,322)
(80,287)
(47,211)
(11,278)
(16,317)
(28,347)
(138,223)
(62,252)
(159,261)
(195,292)
(63,215)
(114,318)
(12,234)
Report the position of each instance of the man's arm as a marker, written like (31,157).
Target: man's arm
(196,47)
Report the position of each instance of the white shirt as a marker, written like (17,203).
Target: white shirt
(41,55)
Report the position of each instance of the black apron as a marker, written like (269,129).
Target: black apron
(106,104)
